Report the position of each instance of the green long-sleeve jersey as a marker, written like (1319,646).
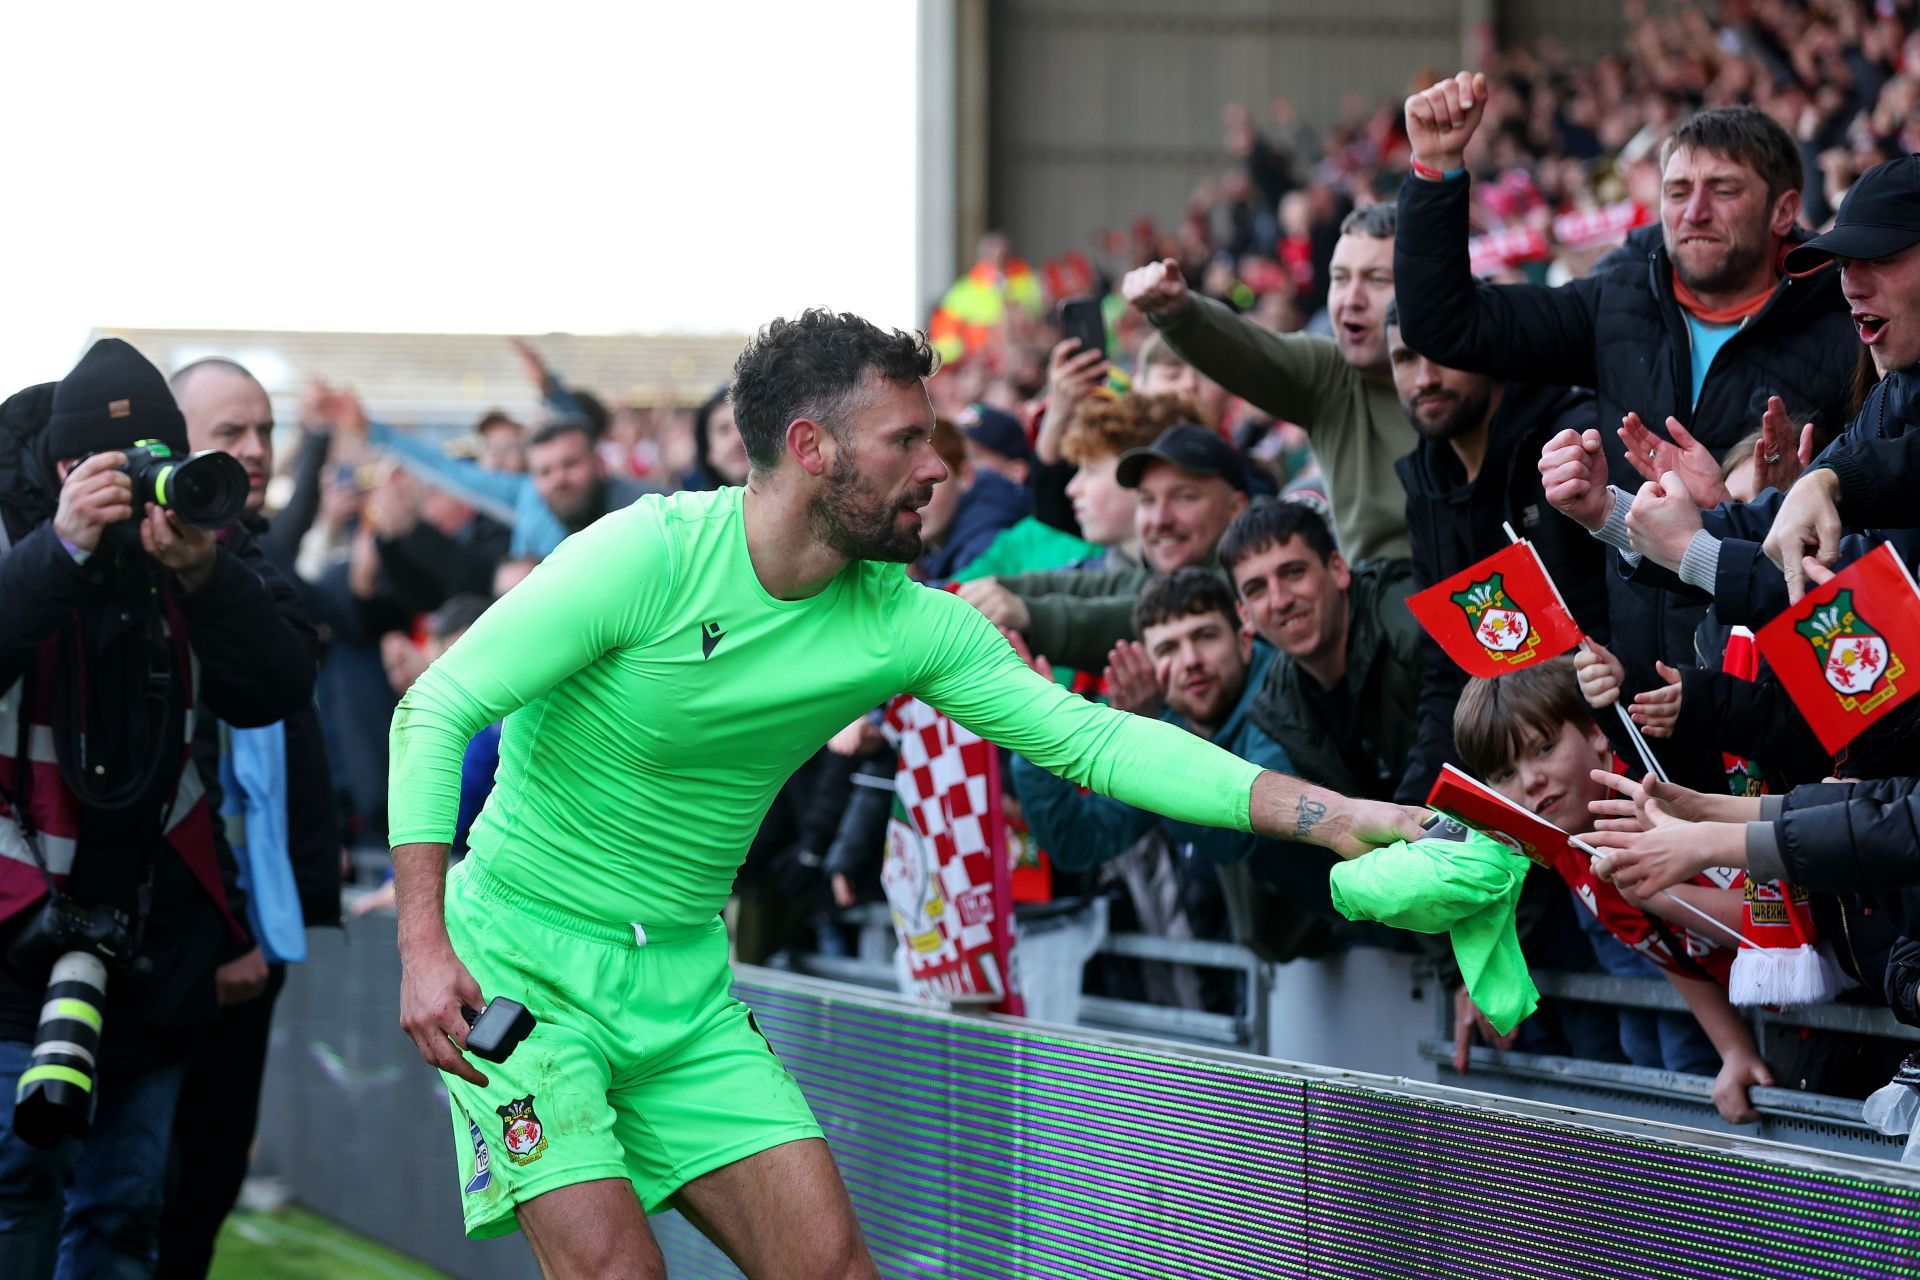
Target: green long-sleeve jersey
(656,697)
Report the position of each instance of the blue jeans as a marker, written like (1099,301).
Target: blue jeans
(1651,1039)
(89,1208)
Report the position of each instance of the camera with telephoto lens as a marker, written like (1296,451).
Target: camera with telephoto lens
(206,489)
(82,945)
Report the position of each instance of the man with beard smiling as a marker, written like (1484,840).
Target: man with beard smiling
(1695,321)
(661,675)
(1472,474)
(1190,485)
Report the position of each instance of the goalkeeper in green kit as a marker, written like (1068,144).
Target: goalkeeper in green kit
(661,675)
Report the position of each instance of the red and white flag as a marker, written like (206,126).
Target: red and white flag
(945,871)
(1586,228)
(1498,250)
(1849,652)
(1499,615)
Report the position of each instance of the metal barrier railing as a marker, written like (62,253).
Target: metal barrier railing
(1829,1122)
(991,1149)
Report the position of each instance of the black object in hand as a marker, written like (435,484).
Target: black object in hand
(495,1031)
(1438,826)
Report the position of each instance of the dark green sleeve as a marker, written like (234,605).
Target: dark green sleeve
(1069,582)
(1076,631)
(1300,377)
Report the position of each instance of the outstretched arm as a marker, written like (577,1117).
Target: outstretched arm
(1740,1064)
(970,672)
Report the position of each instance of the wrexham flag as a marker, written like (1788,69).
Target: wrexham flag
(1499,615)
(1845,650)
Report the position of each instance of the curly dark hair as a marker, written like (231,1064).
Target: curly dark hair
(813,366)
(1181,594)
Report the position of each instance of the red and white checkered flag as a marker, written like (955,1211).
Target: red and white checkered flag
(945,871)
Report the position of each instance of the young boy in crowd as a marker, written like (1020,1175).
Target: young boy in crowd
(1529,736)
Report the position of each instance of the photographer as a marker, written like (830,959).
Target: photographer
(120,615)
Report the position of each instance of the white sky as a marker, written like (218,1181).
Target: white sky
(594,168)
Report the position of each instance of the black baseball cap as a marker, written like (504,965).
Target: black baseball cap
(997,430)
(1189,447)
(1879,217)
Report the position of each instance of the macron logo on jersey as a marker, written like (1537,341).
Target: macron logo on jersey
(710,636)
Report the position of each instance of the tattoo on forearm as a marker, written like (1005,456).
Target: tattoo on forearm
(1307,815)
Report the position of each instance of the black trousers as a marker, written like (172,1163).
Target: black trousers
(213,1133)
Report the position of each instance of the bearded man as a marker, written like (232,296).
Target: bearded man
(660,676)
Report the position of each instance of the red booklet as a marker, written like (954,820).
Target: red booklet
(1499,615)
(1462,796)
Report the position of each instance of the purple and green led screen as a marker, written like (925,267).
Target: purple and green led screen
(980,1150)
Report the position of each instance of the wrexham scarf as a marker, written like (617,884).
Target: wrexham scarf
(1786,966)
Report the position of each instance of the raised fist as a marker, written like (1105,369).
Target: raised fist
(1441,120)
(1157,288)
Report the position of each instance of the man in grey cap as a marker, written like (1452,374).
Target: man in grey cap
(1191,485)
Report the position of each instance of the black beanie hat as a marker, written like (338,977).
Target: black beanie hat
(112,398)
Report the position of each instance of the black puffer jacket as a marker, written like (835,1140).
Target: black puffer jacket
(1620,331)
(1452,523)
(1902,987)
(1839,837)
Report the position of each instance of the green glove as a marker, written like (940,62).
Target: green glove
(1453,880)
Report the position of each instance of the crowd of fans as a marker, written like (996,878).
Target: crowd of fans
(1346,373)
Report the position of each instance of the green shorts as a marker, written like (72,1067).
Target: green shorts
(643,1065)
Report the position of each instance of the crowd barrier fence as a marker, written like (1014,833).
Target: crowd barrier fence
(986,1147)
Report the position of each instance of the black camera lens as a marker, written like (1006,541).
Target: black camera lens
(55,1097)
(209,490)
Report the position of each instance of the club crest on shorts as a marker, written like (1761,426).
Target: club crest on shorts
(1853,657)
(1497,622)
(521,1131)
